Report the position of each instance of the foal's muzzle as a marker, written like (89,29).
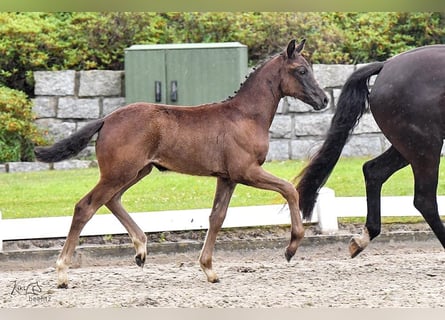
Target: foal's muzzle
(320,101)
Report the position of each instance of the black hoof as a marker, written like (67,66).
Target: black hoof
(63,286)
(288,255)
(139,261)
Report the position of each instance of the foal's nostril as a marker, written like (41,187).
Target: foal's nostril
(325,101)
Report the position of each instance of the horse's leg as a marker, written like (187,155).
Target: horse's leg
(137,236)
(257,177)
(425,191)
(83,212)
(223,194)
(376,172)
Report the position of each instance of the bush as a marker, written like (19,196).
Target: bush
(18,134)
(29,42)
(379,35)
(98,40)
(90,40)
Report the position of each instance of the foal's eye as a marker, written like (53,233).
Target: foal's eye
(301,71)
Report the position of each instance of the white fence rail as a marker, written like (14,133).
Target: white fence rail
(327,210)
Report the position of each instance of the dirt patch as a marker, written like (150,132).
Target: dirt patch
(386,274)
(409,275)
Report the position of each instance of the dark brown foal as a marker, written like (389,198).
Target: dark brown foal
(228,140)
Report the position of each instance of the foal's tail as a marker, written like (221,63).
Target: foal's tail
(70,146)
(350,107)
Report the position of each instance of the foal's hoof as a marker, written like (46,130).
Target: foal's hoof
(214,280)
(354,248)
(139,260)
(289,254)
(63,285)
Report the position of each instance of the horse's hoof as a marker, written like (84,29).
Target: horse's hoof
(354,248)
(215,280)
(288,254)
(212,277)
(63,285)
(139,260)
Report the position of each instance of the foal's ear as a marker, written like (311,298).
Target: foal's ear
(291,48)
(300,46)
(290,51)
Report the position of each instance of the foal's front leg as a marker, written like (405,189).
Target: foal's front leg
(259,178)
(224,191)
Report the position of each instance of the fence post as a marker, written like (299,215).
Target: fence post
(326,210)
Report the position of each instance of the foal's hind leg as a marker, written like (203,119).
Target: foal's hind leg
(137,236)
(376,172)
(223,194)
(83,212)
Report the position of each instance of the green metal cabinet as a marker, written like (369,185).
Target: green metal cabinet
(184,74)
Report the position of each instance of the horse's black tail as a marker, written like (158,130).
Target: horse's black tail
(69,146)
(350,107)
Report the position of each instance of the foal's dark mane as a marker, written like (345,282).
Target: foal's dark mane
(255,70)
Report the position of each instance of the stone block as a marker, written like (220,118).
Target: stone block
(57,129)
(111,104)
(54,83)
(332,75)
(73,164)
(96,83)
(316,124)
(363,146)
(44,107)
(73,108)
(304,148)
(335,95)
(282,107)
(278,150)
(12,167)
(281,127)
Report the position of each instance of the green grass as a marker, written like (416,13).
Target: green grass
(54,193)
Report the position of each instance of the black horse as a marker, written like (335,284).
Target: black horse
(408,103)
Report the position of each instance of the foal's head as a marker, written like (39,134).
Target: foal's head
(297,78)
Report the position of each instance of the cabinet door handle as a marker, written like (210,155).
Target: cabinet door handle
(174,91)
(158,91)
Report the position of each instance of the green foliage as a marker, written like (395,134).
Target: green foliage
(380,35)
(17,131)
(91,40)
(28,42)
(98,40)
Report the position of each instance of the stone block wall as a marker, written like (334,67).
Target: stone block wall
(298,131)
(66,100)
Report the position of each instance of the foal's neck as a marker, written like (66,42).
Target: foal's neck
(259,96)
